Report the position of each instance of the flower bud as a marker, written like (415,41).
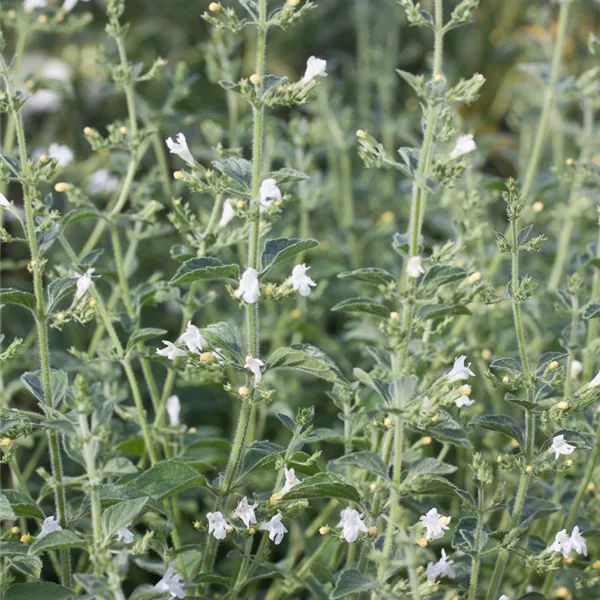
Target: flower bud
(505,379)
(229,529)
(255,79)
(570,162)
(275,498)
(387,422)
(178,175)
(324,530)
(62,186)
(43,19)
(296,313)
(207,357)
(373,486)
(394,316)
(43,159)
(445,520)
(427,440)
(293,3)
(14,530)
(26,538)
(486,354)
(123,130)
(192,430)
(569,462)
(361,133)
(251,531)
(514,444)
(269,290)
(197,525)
(475,277)
(421,542)
(214,7)
(465,389)
(5,442)
(553,365)
(529,469)
(372,531)
(243,391)
(596,565)
(240,204)
(591,486)
(563,405)
(88,131)
(537,207)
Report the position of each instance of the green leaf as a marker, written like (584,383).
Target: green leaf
(465,536)
(226,336)
(449,430)
(369,275)
(42,590)
(29,565)
(501,423)
(289,423)
(352,581)
(307,359)
(429,485)
(592,311)
(438,275)
(363,460)
(141,335)
(287,175)
(111,494)
(19,504)
(121,515)
(58,385)
(57,540)
(323,485)
(6,511)
(119,466)
(533,508)
(431,466)
(12,296)
(238,169)
(436,311)
(167,478)
(204,269)
(382,388)
(281,249)
(59,289)
(364,306)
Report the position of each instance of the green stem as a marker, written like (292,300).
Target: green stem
(477,558)
(592,333)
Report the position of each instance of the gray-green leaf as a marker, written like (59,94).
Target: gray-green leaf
(281,249)
(204,269)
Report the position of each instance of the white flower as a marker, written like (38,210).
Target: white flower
(442,568)
(180,148)
(351,523)
(44,67)
(173,409)
(102,181)
(217,525)
(565,543)
(192,338)
(84,283)
(560,446)
(171,351)
(5,202)
(30,5)
(414,268)
(576,369)
(254,365)
(290,481)
(275,528)
(228,212)
(595,382)
(248,287)
(63,155)
(504,597)
(125,535)
(465,144)
(245,512)
(301,282)
(434,524)
(464,400)
(71,4)
(577,542)
(459,371)
(171,582)
(50,525)
(315,67)
(269,192)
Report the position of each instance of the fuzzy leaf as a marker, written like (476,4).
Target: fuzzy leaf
(142,335)
(324,485)
(57,540)
(307,359)
(29,565)
(44,590)
(59,289)
(501,423)
(204,269)
(438,275)
(238,169)
(369,275)
(364,306)
(225,335)
(363,460)
(279,250)
(432,466)
(58,385)
(382,388)
(12,296)
(121,515)
(19,504)
(465,536)
(352,581)
(592,311)
(429,485)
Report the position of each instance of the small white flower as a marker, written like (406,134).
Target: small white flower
(414,268)
(173,409)
(504,597)
(464,400)
(577,542)
(576,369)
(595,382)
(180,148)
(254,365)
(171,351)
(248,287)
(442,568)
(217,525)
(50,525)
(565,543)
(434,524)
(30,5)
(5,202)
(268,193)
(351,523)
(301,282)
(228,212)
(84,283)
(275,528)
(560,446)
(465,144)
(459,371)
(315,67)
(290,481)
(245,512)
(125,535)
(63,155)
(171,583)
(101,181)
(193,338)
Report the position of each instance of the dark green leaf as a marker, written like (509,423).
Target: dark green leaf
(436,311)
(29,565)
(363,460)
(40,590)
(281,249)
(57,540)
(12,296)
(428,485)
(352,581)
(324,485)
(225,335)
(167,478)
(431,466)
(382,388)
(369,275)
(141,335)
(364,306)
(20,504)
(465,536)
(289,423)
(204,269)
(238,169)
(59,289)
(121,515)
(58,385)
(502,423)
(307,359)
(438,275)
(592,311)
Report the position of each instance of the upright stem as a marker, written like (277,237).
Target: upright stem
(592,333)
(477,558)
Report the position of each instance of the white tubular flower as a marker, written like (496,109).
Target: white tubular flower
(192,338)
(63,155)
(217,525)
(465,144)
(576,369)
(248,288)
(84,283)
(464,400)
(268,193)
(414,268)
(31,5)
(254,365)
(577,541)
(228,212)
(171,583)
(124,535)
(173,409)
(50,525)
(290,481)
(565,543)
(434,524)
(459,371)
(301,282)
(560,446)
(351,523)
(315,67)
(245,512)
(442,568)
(171,351)
(180,148)
(275,528)
(101,181)
(595,382)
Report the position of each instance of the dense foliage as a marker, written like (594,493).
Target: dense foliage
(300,301)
